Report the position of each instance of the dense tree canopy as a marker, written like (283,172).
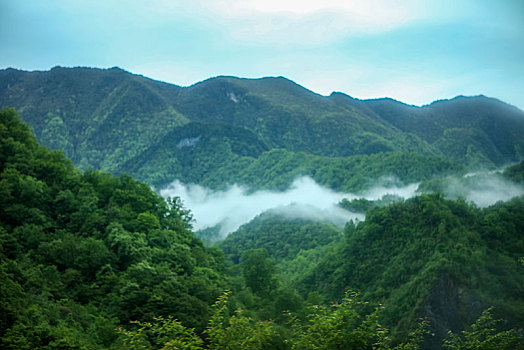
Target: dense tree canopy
(84,253)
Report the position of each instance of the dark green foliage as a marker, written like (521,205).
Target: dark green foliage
(222,130)
(82,253)
(483,336)
(362,205)
(431,257)
(294,245)
(283,238)
(515,172)
(259,271)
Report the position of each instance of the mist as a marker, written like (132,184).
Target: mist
(482,188)
(236,206)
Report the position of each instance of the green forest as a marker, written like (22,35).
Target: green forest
(90,260)
(261,133)
(92,257)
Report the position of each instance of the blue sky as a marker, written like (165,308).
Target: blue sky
(413,51)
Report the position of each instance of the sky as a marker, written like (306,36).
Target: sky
(413,51)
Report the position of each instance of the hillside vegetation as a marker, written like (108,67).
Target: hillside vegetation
(92,258)
(210,132)
(82,253)
(431,257)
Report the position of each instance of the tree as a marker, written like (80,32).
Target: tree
(223,332)
(348,325)
(259,271)
(484,336)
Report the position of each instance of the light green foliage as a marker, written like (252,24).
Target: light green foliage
(161,333)
(236,331)
(347,325)
(483,335)
(415,338)
(55,134)
(224,332)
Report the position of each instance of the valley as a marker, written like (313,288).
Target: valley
(126,199)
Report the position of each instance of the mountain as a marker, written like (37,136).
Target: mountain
(431,258)
(83,254)
(98,117)
(426,258)
(210,132)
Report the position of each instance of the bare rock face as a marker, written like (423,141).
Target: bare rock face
(449,307)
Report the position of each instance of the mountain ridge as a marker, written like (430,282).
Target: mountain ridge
(75,237)
(105,118)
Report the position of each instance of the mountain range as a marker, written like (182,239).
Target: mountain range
(83,253)
(227,129)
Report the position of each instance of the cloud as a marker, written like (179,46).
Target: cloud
(231,208)
(378,191)
(292,22)
(236,206)
(483,188)
(364,15)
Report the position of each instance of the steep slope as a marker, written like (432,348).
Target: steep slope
(84,253)
(434,258)
(99,117)
(195,153)
(291,117)
(467,129)
(295,244)
(283,237)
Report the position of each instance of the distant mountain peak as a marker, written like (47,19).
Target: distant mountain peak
(105,117)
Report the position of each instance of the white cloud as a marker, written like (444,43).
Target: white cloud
(236,206)
(304,23)
(482,188)
(360,13)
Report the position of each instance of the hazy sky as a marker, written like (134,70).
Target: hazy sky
(414,51)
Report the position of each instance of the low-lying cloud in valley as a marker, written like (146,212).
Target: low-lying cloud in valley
(236,205)
(483,189)
(231,208)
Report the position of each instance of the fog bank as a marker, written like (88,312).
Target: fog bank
(235,206)
(483,189)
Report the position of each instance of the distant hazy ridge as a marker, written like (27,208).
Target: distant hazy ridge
(224,129)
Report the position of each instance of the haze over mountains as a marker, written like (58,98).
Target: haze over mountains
(296,166)
(227,130)
(261,134)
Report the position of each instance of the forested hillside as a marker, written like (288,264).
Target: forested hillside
(209,132)
(83,253)
(93,258)
(431,257)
